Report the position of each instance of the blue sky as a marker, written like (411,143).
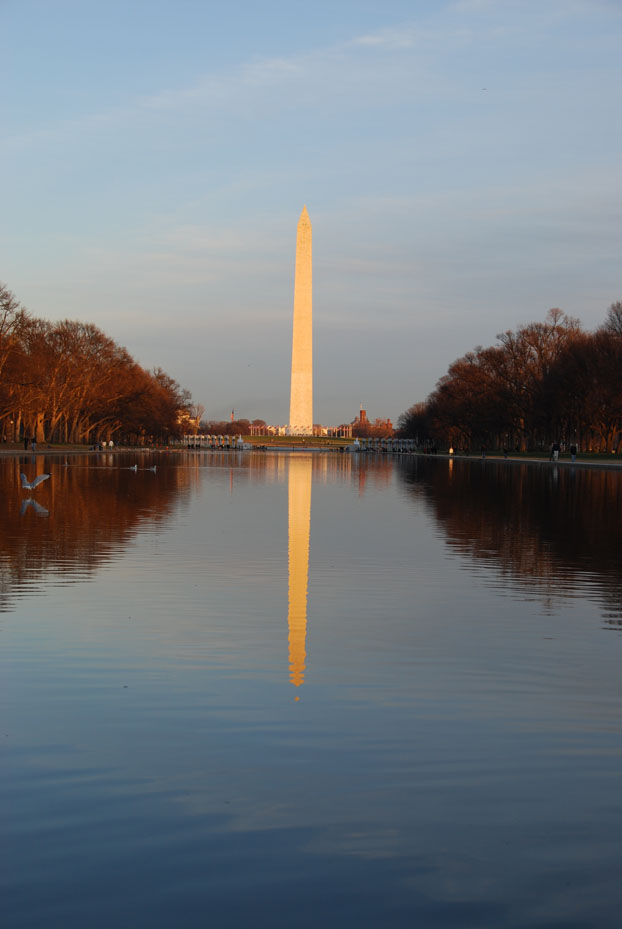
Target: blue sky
(460,162)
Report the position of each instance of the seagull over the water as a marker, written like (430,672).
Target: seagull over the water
(30,485)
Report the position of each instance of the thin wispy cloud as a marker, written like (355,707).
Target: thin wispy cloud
(320,69)
(459,165)
(405,37)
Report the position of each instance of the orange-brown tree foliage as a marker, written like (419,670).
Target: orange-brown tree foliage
(226,427)
(548,381)
(69,382)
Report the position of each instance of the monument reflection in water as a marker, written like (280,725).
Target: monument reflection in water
(453,760)
(299,526)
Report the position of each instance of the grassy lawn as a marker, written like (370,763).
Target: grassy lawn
(299,441)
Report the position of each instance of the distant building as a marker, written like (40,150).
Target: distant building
(344,431)
(380,428)
(266,429)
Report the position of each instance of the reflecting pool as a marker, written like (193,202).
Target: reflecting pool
(316,689)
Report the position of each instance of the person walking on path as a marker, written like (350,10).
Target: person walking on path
(555,451)
(573,453)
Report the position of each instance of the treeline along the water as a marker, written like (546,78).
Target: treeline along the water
(546,382)
(69,382)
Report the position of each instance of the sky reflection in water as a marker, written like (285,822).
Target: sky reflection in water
(315,689)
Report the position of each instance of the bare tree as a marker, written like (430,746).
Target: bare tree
(613,321)
(69,381)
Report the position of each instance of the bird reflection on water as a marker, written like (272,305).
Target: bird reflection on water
(91,511)
(30,503)
(434,723)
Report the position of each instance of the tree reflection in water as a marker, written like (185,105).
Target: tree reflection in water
(544,527)
(95,505)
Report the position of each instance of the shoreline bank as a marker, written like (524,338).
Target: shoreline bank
(12,450)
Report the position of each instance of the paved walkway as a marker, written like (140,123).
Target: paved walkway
(616,463)
(8,449)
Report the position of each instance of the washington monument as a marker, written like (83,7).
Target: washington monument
(301,396)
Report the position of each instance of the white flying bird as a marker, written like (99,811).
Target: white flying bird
(30,485)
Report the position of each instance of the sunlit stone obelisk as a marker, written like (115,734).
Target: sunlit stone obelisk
(301,396)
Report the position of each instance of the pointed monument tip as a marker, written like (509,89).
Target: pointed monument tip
(304,212)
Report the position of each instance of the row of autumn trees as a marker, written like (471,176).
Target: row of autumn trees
(69,382)
(546,382)
(379,429)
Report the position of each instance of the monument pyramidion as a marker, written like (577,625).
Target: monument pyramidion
(301,395)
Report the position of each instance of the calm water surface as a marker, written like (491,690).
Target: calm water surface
(305,690)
